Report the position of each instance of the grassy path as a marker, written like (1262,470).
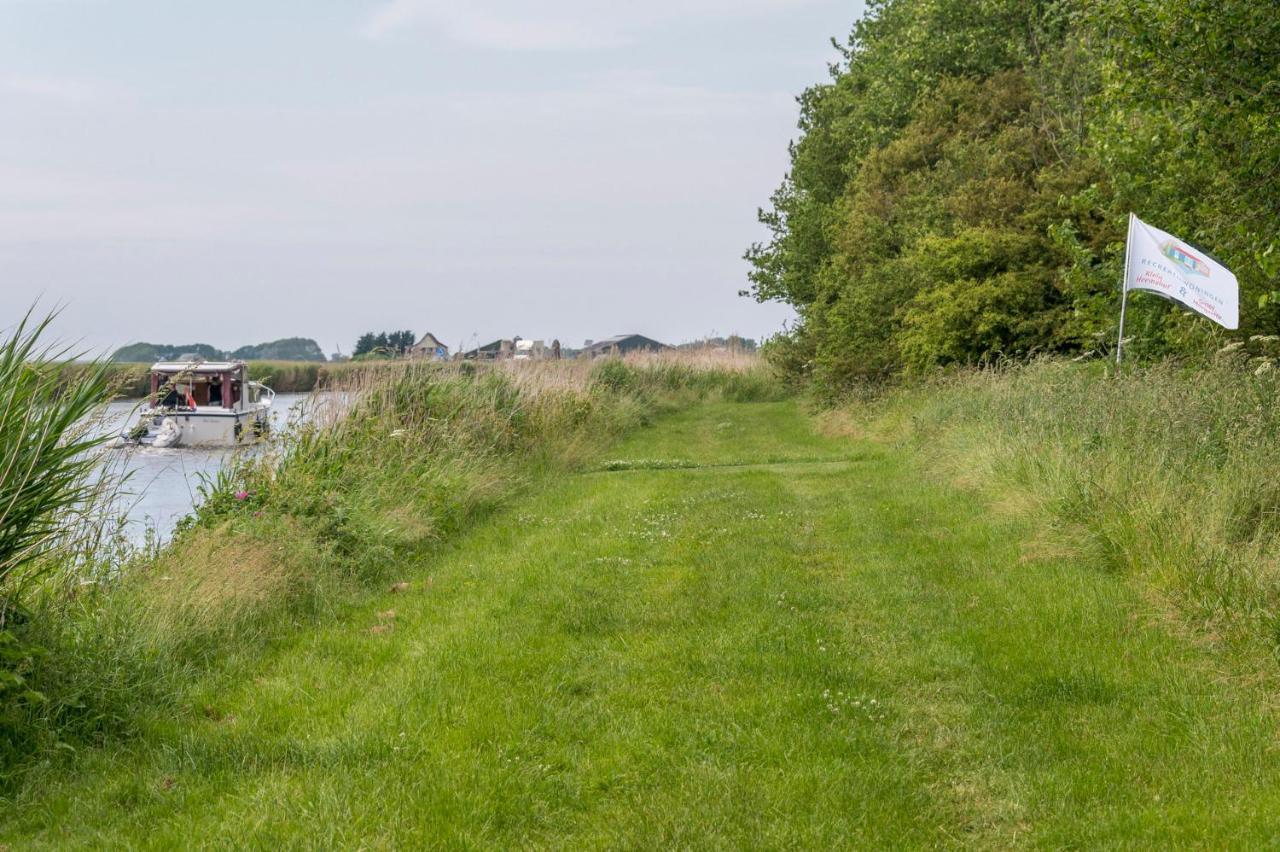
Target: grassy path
(750,635)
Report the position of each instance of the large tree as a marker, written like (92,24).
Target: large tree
(960,185)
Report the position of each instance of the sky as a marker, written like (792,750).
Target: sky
(240,171)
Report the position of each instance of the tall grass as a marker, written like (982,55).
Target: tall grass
(392,463)
(1166,473)
(46,439)
(49,497)
(133,381)
(128,381)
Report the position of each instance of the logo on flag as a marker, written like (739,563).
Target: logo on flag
(1185,259)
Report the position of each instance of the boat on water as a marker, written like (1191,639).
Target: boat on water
(197,403)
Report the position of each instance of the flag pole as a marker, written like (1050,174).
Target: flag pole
(1124,291)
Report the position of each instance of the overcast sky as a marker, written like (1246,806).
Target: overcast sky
(238,171)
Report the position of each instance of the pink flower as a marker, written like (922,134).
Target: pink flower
(242,495)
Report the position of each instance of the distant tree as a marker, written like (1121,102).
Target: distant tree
(384,343)
(400,342)
(150,352)
(288,349)
(733,341)
(137,353)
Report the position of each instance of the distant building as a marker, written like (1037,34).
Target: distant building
(531,350)
(495,351)
(515,349)
(430,348)
(622,344)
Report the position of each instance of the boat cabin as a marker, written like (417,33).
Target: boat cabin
(193,385)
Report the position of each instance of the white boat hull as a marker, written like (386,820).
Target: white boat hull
(213,427)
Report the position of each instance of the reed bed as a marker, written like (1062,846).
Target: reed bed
(132,380)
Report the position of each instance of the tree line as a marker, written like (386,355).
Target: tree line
(960,188)
(288,349)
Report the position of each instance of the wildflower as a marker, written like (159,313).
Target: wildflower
(242,495)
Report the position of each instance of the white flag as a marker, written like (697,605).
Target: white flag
(1162,263)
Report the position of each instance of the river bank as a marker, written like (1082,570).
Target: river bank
(427,452)
(163,485)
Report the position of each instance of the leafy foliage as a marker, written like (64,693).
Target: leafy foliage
(959,190)
(288,349)
(384,343)
(149,353)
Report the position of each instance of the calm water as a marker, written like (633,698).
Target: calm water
(162,487)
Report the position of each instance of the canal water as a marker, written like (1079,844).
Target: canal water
(163,485)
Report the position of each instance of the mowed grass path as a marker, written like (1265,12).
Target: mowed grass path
(786,640)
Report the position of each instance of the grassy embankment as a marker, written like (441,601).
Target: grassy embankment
(737,629)
(1166,474)
(425,452)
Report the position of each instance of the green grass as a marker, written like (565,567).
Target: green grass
(426,452)
(1164,473)
(729,434)
(790,639)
